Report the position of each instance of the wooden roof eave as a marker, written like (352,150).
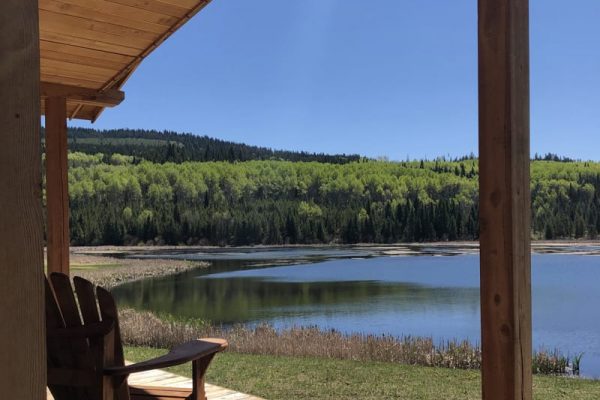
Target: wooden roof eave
(120,79)
(90,102)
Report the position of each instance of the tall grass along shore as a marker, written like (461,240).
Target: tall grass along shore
(149,330)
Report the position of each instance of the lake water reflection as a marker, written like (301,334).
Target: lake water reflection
(357,292)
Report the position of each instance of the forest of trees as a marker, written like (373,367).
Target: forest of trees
(161,147)
(119,199)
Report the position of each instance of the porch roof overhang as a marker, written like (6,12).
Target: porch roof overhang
(89,48)
(504,212)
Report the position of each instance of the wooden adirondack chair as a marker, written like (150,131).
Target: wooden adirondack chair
(85,359)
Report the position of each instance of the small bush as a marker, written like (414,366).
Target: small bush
(553,363)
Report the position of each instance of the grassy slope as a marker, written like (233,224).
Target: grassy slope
(297,378)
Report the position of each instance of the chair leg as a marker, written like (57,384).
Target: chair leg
(199,368)
(121,388)
(108,388)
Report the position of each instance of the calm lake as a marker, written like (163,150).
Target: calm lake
(427,293)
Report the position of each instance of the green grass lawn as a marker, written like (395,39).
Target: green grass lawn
(301,378)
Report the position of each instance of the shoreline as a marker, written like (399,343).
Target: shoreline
(561,242)
(147,329)
(581,247)
(110,272)
(111,266)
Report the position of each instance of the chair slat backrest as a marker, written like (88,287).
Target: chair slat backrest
(66,353)
(64,310)
(66,299)
(108,310)
(70,312)
(87,300)
(86,297)
(56,354)
(54,319)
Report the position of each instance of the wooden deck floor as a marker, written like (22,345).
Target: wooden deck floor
(163,378)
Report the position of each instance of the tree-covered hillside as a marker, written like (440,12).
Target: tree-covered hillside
(161,147)
(117,201)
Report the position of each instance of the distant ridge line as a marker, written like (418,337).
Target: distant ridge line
(168,146)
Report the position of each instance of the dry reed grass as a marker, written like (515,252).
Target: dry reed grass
(147,329)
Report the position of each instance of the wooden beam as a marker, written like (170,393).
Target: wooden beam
(504,213)
(23,353)
(88,97)
(57,185)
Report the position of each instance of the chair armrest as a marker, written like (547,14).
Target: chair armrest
(183,353)
(88,331)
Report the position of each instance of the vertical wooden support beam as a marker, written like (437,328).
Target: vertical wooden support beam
(504,212)
(22,331)
(57,185)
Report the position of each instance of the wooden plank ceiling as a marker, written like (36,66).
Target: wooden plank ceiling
(89,48)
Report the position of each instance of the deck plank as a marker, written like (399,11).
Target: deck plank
(163,378)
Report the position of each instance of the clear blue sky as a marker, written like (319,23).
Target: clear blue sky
(392,78)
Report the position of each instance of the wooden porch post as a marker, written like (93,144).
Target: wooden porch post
(57,185)
(23,352)
(504,213)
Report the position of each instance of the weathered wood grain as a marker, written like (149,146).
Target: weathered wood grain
(57,196)
(106,98)
(505,199)
(23,353)
(97,44)
(160,377)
